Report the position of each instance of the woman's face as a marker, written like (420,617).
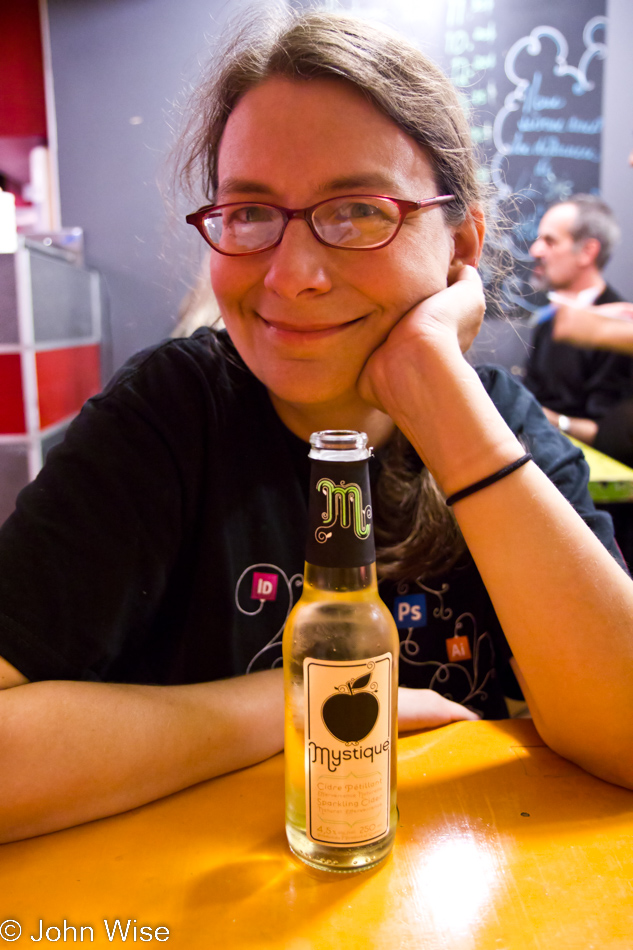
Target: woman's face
(303,316)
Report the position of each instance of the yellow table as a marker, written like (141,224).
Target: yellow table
(502,845)
(609,480)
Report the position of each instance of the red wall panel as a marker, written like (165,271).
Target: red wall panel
(12,420)
(22,102)
(65,379)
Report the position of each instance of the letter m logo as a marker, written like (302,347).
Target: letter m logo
(345,505)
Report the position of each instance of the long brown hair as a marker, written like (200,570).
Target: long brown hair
(416,533)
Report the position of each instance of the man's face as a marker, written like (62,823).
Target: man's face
(305,317)
(559,262)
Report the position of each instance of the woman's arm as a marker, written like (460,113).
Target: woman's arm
(565,605)
(71,752)
(607,327)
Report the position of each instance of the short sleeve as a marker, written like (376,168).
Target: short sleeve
(86,557)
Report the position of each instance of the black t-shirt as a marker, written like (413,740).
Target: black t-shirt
(577,381)
(163,542)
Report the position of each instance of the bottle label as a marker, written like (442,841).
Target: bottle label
(348,749)
(340,531)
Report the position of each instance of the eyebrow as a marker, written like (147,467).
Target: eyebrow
(251,186)
(230,185)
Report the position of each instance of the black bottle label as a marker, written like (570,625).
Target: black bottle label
(340,528)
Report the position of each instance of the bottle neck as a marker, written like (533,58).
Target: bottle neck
(341,579)
(340,528)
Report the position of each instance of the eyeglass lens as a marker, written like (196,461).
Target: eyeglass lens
(343,222)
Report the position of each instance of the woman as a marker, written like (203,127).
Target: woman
(352,313)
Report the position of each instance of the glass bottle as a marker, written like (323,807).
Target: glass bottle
(340,649)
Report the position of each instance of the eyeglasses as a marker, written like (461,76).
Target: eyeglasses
(352,222)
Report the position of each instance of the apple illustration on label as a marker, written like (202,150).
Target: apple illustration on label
(351,712)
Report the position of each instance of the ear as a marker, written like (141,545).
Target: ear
(468,239)
(589,251)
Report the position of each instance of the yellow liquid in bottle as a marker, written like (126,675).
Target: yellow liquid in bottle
(334,625)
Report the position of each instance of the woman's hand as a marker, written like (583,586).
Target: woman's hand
(459,307)
(452,317)
(425,709)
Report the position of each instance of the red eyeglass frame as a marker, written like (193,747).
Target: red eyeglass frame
(196,218)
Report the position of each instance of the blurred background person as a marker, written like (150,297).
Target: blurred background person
(606,326)
(576,385)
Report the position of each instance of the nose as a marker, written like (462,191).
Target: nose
(298,265)
(535,248)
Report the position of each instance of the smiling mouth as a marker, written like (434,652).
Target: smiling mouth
(304,333)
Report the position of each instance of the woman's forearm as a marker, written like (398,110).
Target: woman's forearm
(71,752)
(565,605)
(566,608)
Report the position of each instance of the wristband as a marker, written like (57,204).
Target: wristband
(490,480)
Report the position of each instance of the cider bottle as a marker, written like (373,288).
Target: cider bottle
(340,649)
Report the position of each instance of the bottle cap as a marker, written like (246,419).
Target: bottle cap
(339,445)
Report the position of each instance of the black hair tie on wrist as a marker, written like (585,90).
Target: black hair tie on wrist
(490,480)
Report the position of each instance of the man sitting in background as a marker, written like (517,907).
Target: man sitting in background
(576,386)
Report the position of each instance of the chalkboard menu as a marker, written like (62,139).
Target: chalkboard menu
(530,74)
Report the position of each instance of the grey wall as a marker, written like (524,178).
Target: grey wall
(113,61)
(616,177)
